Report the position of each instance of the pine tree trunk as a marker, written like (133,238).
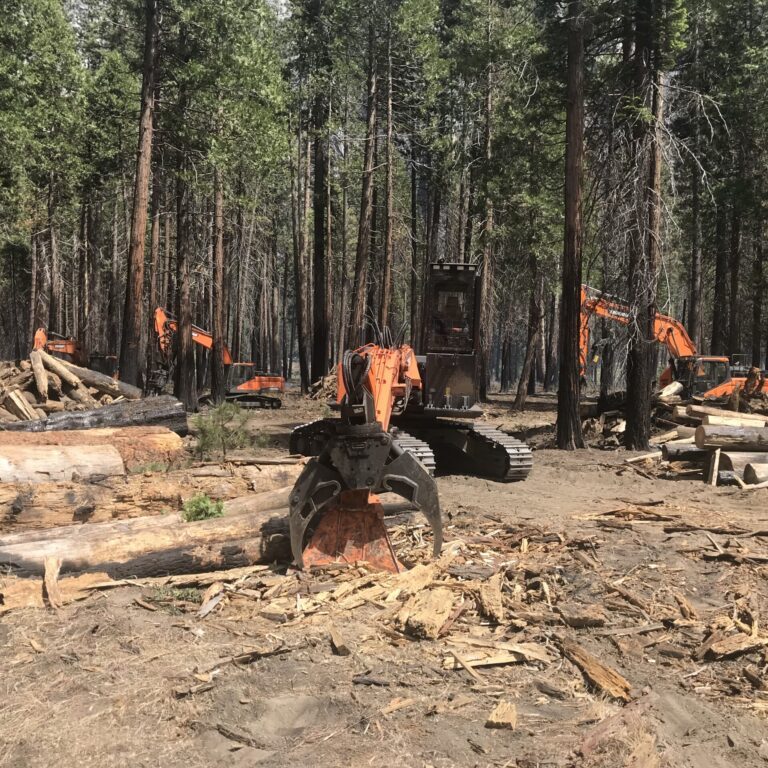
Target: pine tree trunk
(218,372)
(386,282)
(33,278)
(319,208)
(415,266)
(758,290)
(155,277)
(734,306)
(534,336)
(720,305)
(131,357)
(482,366)
(299,265)
(186,383)
(569,434)
(362,254)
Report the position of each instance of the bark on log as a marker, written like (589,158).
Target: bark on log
(732,438)
(42,463)
(157,545)
(756,473)
(104,384)
(164,411)
(41,378)
(76,389)
(686,452)
(137,446)
(700,411)
(50,505)
(733,421)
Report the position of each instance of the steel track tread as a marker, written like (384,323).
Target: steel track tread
(419,448)
(519,454)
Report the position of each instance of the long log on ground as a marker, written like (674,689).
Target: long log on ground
(699,411)
(77,391)
(732,438)
(42,463)
(157,545)
(49,505)
(137,446)
(732,421)
(103,383)
(756,473)
(41,378)
(685,452)
(165,411)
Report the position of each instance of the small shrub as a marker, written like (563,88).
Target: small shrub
(201,507)
(222,429)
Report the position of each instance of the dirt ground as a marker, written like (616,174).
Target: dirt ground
(663,570)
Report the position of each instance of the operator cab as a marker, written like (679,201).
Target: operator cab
(701,374)
(450,340)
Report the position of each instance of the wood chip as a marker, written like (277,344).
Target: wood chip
(504,715)
(599,674)
(424,614)
(581,615)
(395,704)
(183,693)
(735,645)
(144,604)
(51,582)
(340,648)
(491,604)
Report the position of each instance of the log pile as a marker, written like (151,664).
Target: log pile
(44,385)
(723,447)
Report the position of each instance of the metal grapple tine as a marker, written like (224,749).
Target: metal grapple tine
(316,486)
(407,477)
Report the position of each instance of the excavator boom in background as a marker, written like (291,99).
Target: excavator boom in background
(248,387)
(707,377)
(70,349)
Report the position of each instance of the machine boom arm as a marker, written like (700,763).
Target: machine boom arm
(166,326)
(666,330)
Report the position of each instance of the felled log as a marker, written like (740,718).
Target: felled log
(732,421)
(19,407)
(704,410)
(137,446)
(164,411)
(40,463)
(74,387)
(684,452)
(104,384)
(48,505)
(732,438)
(756,473)
(153,546)
(38,370)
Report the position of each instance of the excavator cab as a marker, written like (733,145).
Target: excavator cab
(448,367)
(699,374)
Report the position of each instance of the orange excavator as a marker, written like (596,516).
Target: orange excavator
(65,346)
(248,387)
(707,377)
(337,492)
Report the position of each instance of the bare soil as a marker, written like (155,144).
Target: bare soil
(110,682)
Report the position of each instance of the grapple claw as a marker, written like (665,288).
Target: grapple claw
(316,486)
(407,477)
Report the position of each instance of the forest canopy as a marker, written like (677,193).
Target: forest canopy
(282,172)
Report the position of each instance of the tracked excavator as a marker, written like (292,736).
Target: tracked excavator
(248,387)
(401,417)
(709,377)
(61,346)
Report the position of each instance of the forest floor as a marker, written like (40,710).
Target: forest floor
(659,580)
